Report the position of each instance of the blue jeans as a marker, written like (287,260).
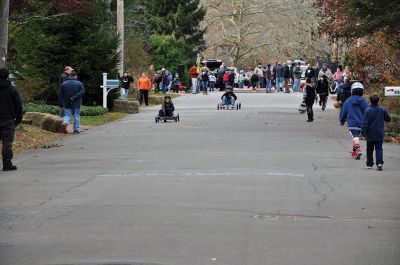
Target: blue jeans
(227,101)
(241,84)
(296,85)
(77,117)
(212,85)
(194,85)
(226,84)
(279,83)
(126,93)
(268,85)
(378,153)
(164,88)
(204,86)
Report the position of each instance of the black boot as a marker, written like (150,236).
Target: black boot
(8,166)
(310,117)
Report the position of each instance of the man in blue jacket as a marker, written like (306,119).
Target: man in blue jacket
(353,112)
(373,128)
(71,94)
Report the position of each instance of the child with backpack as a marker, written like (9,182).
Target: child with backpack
(373,128)
(353,112)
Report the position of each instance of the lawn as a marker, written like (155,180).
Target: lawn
(101,119)
(28,137)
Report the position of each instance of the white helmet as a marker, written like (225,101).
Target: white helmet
(357,85)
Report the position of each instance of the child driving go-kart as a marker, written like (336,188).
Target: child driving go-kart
(229,98)
(167,108)
(166,113)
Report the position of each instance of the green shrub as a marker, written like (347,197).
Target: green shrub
(43,108)
(93,111)
(393,127)
(51,109)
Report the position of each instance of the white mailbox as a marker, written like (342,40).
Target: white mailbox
(108,85)
(392,91)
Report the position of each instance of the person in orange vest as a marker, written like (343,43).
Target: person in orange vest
(144,85)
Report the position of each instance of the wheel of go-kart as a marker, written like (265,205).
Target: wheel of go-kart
(237,106)
(157,119)
(240,105)
(165,120)
(218,106)
(178,117)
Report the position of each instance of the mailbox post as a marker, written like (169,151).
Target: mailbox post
(108,85)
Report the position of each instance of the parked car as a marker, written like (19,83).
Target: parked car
(212,64)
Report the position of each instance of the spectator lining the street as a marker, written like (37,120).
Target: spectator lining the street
(72,92)
(144,85)
(126,81)
(10,117)
(194,75)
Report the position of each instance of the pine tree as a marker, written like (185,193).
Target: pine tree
(176,32)
(82,39)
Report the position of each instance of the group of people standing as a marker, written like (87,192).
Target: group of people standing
(280,77)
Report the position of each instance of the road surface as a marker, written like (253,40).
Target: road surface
(258,186)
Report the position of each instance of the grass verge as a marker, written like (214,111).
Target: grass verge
(28,137)
(101,119)
(172,95)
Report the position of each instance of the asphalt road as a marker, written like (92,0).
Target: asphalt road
(258,186)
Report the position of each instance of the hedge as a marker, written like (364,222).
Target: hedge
(51,109)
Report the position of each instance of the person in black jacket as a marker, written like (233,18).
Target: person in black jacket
(344,92)
(167,108)
(71,94)
(309,98)
(286,76)
(323,91)
(229,98)
(310,72)
(10,117)
(126,81)
(63,77)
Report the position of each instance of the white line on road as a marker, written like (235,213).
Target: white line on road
(205,174)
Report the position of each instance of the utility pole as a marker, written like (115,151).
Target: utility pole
(4,10)
(120,31)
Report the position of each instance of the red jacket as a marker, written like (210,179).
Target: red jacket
(193,72)
(226,77)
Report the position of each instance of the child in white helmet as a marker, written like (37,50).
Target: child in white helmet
(353,112)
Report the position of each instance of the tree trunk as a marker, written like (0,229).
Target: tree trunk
(4,10)
(335,51)
(120,31)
